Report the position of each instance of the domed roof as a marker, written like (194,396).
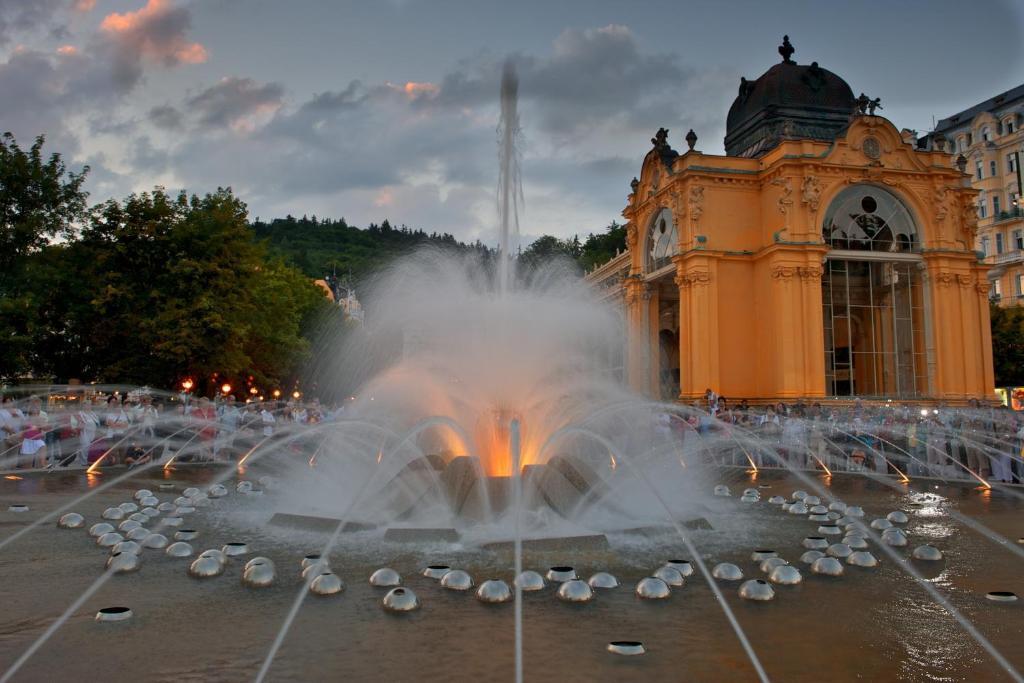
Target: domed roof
(789,101)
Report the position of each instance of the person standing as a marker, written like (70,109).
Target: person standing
(117,424)
(268,420)
(88,424)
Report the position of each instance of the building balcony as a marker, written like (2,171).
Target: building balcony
(1011,215)
(1015,256)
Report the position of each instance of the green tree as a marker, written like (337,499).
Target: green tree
(39,200)
(1008,345)
(168,287)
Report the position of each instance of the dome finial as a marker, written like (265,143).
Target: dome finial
(786,50)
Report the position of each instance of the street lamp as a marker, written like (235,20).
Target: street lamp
(225,388)
(277,393)
(296,394)
(187,384)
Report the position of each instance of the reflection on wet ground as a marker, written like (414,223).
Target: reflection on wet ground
(870,624)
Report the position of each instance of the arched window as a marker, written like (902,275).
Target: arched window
(868,218)
(662,241)
(986,133)
(873,299)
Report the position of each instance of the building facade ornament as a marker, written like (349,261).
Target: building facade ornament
(939,202)
(695,203)
(693,278)
(811,192)
(785,199)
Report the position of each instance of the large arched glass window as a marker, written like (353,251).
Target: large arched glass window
(873,298)
(868,218)
(662,241)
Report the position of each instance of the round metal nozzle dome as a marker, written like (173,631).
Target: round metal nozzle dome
(652,588)
(71,520)
(628,648)
(575,591)
(927,553)
(260,574)
(785,575)
(763,554)
(113,513)
(157,541)
(109,540)
(827,566)
(726,571)
(435,571)
(603,580)
(684,566)
(815,542)
(179,549)
(123,563)
(400,600)
(326,583)
(494,591)
(811,555)
(670,575)
(385,577)
(205,567)
(862,558)
(457,580)
(185,534)
(561,573)
(529,581)
(839,550)
(109,614)
(137,534)
(897,517)
(235,549)
(757,589)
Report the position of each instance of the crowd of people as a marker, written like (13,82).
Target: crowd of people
(137,428)
(937,440)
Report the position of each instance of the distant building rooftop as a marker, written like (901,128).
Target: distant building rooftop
(967,115)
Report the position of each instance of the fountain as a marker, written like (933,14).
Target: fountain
(492,431)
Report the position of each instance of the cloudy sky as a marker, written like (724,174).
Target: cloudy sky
(377,109)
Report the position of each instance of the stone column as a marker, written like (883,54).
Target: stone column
(638,295)
(696,277)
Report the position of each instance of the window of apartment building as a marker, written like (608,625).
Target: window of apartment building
(961,144)
(997,289)
(985,244)
(999,243)
(1010,125)
(982,211)
(995,206)
(992,168)
(986,133)
(1011,163)
(1018,240)
(1018,284)
(977,170)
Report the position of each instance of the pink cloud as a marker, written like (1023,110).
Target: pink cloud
(67,50)
(157,32)
(83,5)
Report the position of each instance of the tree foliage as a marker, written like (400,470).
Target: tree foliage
(39,200)
(1008,345)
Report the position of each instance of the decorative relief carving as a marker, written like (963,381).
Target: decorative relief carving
(964,281)
(982,287)
(969,216)
(945,279)
(939,201)
(694,278)
(805,273)
(695,203)
(632,236)
(785,200)
(811,191)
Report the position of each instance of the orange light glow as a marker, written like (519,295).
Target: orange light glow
(95,467)
(187,384)
(225,388)
(167,465)
(13,477)
(253,390)
(277,393)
